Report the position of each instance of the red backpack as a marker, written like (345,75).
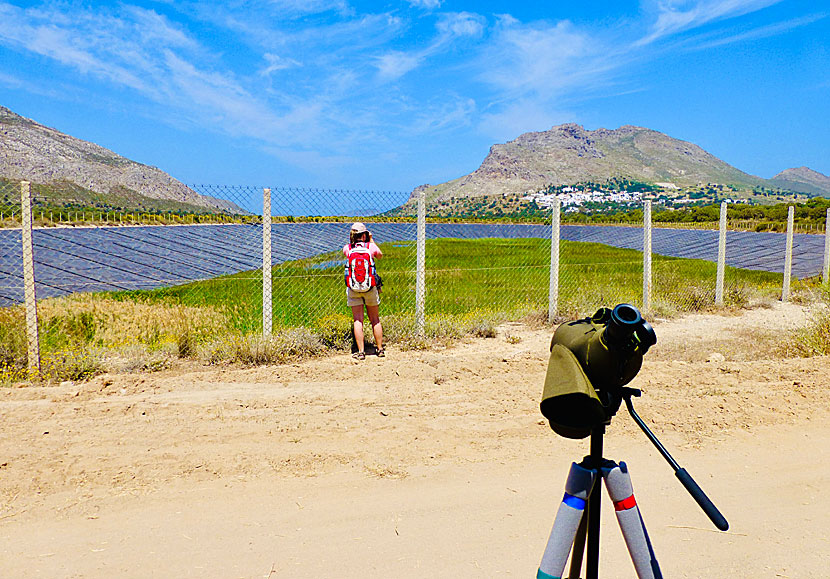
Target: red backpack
(360,272)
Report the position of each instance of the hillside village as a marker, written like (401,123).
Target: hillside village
(620,195)
(572,198)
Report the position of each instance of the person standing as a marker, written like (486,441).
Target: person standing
(362,287)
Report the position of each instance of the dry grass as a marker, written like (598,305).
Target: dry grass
(814,340)
(287,345)
(121,323)
(741,345)
(83,335)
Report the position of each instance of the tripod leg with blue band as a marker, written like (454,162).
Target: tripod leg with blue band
(591,361)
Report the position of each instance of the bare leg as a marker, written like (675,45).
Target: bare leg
(377,329)
(357,316)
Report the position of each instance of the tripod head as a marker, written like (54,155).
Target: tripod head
(591,360)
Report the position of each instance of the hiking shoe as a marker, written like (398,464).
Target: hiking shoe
(359,356)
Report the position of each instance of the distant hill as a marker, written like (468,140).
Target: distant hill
(69,168)
(803,179)
(568,154)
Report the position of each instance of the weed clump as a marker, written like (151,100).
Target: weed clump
(814,339)
(287,345)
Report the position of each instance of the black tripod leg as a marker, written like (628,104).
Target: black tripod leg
(579,549)
(592,551)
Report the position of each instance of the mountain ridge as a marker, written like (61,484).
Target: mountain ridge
(34,152)
(568,154)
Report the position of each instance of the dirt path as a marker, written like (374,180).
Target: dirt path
(432,463)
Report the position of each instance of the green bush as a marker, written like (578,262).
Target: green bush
(334,331)
(13,344)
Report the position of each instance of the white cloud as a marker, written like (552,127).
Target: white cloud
(276,63)
(394,65)
(675,16)
(39,34)
(154,27)
(535,69)
(460,24)
(450,114)
(426,4)
(309,80)
(298,8)
(763,32)
(543,59)
(144,52)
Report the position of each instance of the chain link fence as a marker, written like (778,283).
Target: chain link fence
(600,266)
(11,264)
(481,269)
(130,270)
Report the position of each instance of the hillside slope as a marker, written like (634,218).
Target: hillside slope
(33,152)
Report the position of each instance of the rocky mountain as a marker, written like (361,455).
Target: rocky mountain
(803,179)
(568,154)
(33,152)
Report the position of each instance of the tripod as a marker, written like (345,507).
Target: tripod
(571,528)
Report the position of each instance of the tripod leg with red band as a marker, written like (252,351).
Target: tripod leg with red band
(618,484)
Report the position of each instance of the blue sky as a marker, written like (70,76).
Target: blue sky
(391,95)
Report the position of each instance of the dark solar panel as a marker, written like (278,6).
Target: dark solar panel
(69,260)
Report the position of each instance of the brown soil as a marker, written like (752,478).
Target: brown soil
(423,464)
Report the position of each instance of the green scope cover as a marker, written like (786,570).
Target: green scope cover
(581,365)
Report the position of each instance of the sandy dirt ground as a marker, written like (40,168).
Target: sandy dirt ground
(423,464)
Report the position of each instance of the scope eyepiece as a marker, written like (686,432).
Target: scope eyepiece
(622,323)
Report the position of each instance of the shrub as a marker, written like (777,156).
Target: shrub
(334,331)
(814,340)
(13,337)
(288,345)
(75,365)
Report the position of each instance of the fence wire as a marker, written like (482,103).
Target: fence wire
(600,266)
(479,268)
(132,268)
(11,261)
(309,229)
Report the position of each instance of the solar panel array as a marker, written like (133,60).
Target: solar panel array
(70,260)
(105,258)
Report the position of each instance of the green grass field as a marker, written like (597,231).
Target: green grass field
(464,275)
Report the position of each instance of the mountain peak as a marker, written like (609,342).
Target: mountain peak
(567,154)
(803,179)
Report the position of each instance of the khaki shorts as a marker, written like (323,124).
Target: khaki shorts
(370,298)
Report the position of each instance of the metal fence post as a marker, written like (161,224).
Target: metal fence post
(647,257)
(29,278)
(721,256)
(825,273)
(553,290)
(420,271)
(267,312)
(788,257)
